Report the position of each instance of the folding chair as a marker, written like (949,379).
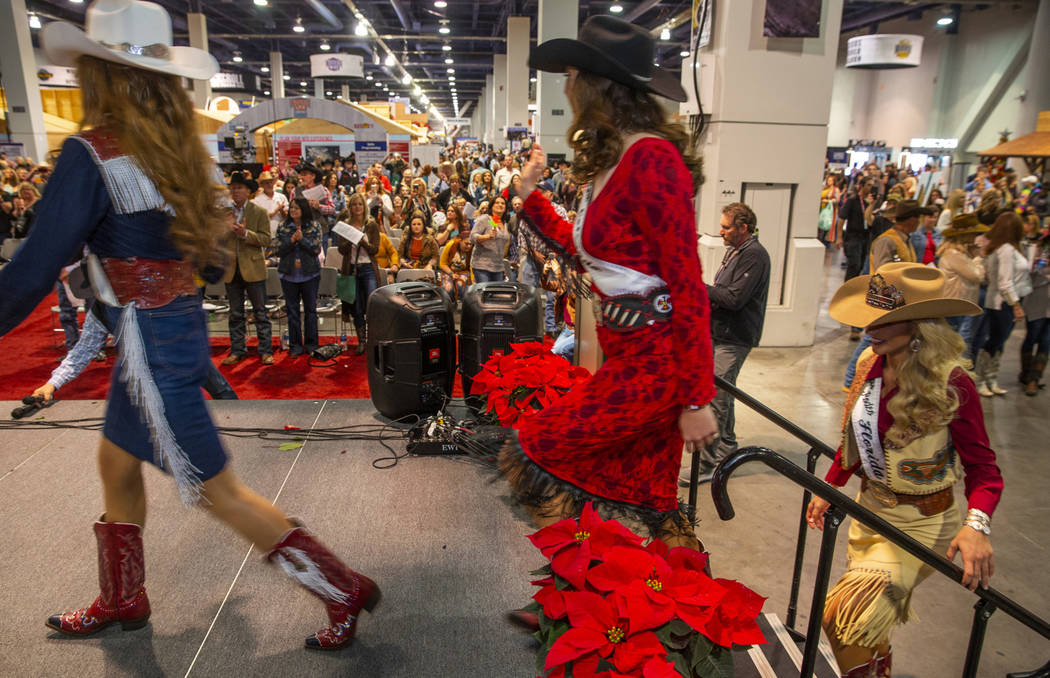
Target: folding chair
(333,258)
(327,299)
(275,299)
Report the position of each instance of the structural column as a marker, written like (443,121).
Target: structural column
(782,118)
(518,28)
(557,19)
(490,109)
(319,88)
(25,112)
(499,97)
(276,75)
(1037,84)
(198,26)
(344,92)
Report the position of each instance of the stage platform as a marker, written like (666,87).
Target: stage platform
(448,546)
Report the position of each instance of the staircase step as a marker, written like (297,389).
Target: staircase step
(780,656)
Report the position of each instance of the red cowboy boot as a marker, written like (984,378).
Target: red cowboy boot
(344,592)
(121,573)
(878,667)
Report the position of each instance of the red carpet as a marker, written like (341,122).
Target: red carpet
(32,350)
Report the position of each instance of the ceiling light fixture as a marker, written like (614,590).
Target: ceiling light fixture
(328,94)
(34,20)
(665,34)
(449,60)
(684,53)
(361,29)
(237,58)
(325,46)
(444,29)
(406,80)
(265,69)
(389,61)
(379,84)
(945,21)
(302,83)
(450,70)
(616,8)
(287,77)
(440,4)
(532,79)
(298,27)
(369,77)
(266,93)
(261,3)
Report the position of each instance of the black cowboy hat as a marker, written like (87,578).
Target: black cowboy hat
(242,179)
(611,48)
(307,167)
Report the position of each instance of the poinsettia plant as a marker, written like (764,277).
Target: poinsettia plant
(611,607)
(524,381)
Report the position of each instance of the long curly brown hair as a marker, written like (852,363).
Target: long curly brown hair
(605,112)
(153,121)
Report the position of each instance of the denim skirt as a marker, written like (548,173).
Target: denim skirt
(175,340)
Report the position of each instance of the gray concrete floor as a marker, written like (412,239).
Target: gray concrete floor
(449,548)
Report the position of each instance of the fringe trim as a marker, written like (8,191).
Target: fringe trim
(142,389)
(543,492)
(129,188)
(298,565)
(861,610)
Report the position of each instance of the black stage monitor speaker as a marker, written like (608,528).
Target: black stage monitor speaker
(411,348)
(495,315)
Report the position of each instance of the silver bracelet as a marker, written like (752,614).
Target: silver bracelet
(978,514)
(977,525)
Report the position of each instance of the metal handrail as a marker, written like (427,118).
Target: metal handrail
(840,507)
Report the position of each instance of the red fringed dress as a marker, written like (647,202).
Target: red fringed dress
(616,438)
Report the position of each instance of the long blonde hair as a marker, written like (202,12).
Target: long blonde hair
(924,401)
(153,121)
(956,202)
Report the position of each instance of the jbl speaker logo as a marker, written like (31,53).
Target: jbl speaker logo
(498,353)
(435,354)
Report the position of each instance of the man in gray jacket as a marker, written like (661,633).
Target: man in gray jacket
(738,310)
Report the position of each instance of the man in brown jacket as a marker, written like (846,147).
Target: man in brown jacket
(246,242)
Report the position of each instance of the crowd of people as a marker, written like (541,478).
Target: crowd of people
(991,239)
(456,225)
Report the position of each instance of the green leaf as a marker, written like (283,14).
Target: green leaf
(680,628)
(699,648)
(544,571)
(681,664)
(533,607)
(284,447)
(717,664)
(561,584)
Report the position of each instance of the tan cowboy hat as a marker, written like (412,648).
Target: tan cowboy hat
(266,176)
(965,224)
(898,291)
(129,32)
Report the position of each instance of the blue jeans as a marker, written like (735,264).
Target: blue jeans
(301,338)
(236,290)
(966,326)
(366,284)
(481,276)
(565,344)
(67,317)
(530,276)
(851,368)
(1037,335)
(1000,324)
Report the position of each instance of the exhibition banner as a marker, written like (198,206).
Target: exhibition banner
(315,148)
(369,152)
(336,66)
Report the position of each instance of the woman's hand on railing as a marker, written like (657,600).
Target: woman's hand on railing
(976,550)
(815,512)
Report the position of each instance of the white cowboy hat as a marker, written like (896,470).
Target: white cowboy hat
(129,32)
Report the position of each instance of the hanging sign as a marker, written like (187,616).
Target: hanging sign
(336,66)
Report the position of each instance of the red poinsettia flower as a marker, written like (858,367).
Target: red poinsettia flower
(679,557)
(550,598)
(733,619)
(599,629)
(571,545)
(653,591)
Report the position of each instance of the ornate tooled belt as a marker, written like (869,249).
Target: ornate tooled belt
(150,283)
(928,504)
(630,311)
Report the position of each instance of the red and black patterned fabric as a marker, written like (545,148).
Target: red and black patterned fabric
(617,436)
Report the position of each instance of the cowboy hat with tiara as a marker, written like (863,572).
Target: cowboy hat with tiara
(128,32)
(897,291)
(611,48)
